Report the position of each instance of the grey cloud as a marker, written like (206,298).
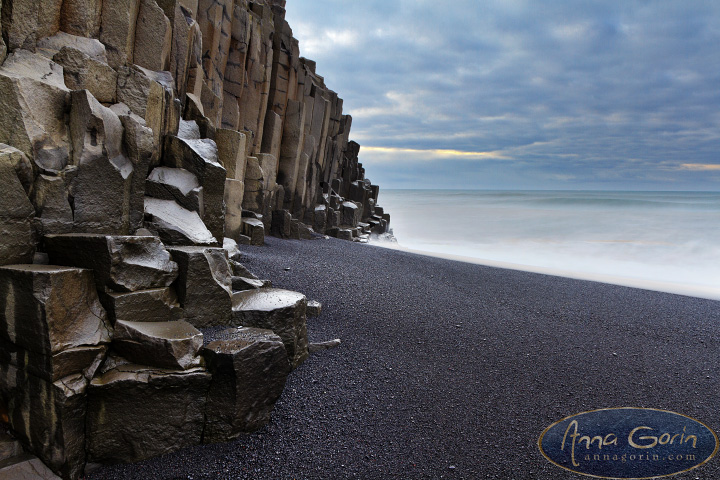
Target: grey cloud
(578,93)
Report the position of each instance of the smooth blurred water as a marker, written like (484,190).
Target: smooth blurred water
(669,237)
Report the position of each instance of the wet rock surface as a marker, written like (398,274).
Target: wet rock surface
(281,311)
(120,263)
(173,345)
(136,412)
(393,401)
(249,368)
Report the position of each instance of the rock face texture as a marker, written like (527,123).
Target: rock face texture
(143,145)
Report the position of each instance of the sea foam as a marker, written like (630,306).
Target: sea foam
(666,241)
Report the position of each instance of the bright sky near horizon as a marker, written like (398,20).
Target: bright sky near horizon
(524,94)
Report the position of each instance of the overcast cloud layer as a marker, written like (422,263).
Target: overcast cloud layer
(524,94)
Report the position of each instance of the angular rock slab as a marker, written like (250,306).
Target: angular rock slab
(175,224)
(26,467)
(136,412)
(201,158)
(176,184)
(204,285)
(49,309)
(82,71)
(314,308)
(34,99)
(153,305)
(121,263)
(249,368)
(173,345)
(281,311)
(48,417)
(255,229)
(84,360)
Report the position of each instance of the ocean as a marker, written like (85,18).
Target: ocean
(665,241)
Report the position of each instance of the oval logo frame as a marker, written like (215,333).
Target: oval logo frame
(628,443)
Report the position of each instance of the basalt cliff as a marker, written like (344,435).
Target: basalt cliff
(143,143)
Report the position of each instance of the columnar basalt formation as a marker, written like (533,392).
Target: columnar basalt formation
(140,142)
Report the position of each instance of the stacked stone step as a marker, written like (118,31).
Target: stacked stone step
(114,344)
(137,136)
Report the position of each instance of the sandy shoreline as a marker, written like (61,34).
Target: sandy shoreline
(452,370)
(700,291)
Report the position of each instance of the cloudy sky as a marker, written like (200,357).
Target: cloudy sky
(524,94)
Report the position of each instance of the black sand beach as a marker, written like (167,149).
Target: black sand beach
(452,370)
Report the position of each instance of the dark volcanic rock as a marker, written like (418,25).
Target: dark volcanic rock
(121,263)
(136,412)
(281,311)
(249,368)
(47,309)
(173,345)
(153,305)
(47,417)
(204,285)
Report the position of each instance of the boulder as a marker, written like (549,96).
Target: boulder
(117,32)
(153,37)
(120,263)
(255,229)
(47,417)
(204,285)
(81,71)
(306,232)
(313,308)
(175,224)
(350,214)
(136,412)
(101,189)
(173,345)
(34,100)
(26,467)
(49,309)
(327,345)
(176,184)
(153,305)
(201,158)
(49,196)
(249,368)
(16,212)
(281,311)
